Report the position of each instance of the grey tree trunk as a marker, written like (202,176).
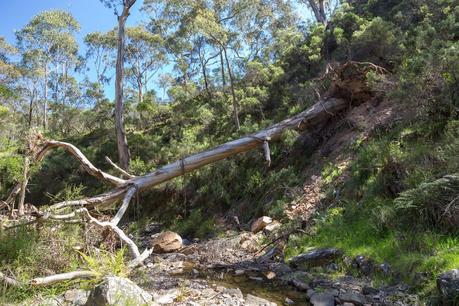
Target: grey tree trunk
(222,67)
(233,94)
(45,103)
(124,155)
(25,180)
(318,8)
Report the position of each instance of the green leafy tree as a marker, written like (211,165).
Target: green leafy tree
(144,55)
(100,48)
(50,35)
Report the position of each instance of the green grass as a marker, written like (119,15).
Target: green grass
(367,221)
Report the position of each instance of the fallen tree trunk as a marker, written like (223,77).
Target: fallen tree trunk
(318,113)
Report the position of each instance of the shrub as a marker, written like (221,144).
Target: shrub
(433,204)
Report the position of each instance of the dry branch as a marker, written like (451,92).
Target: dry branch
(52,279)
(48,280)
(87,165)
(127,198)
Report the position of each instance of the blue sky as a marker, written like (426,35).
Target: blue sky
(91,14)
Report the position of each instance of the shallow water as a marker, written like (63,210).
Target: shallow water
(270,290)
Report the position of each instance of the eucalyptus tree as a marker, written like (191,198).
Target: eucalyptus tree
(31,75)
(9,75)
(8,71)
(50,35)
(125,5)
(100,48)
(232,32)
(144,56)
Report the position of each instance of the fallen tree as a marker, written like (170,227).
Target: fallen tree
(348,82)
(125,189)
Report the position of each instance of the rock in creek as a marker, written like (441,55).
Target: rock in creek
(260,224)
(448,286)
(322,299)
(251,300)
(353,297)
(317,257)
(118,291)
(272,227)
(166,242)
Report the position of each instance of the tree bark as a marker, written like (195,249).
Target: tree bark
(123,149)
(318,8)
(140,91)
(233,94)
(29,120)
(222,68)
(318,113)
(25,180)
(45,103)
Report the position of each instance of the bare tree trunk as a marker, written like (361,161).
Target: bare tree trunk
(318,8)
(140,91)
(45,103)
(25,180)
(204,73)
(123,149)
(29,121)
(222,68)
(235,104)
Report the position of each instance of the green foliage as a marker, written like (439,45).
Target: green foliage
(433,204)
(10,171)
(196,225)
(399,204)
(105,263)
(28,253)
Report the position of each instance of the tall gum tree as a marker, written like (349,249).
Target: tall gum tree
(50,35)
(100,51)
(321,9)
(144,56)
(124,155)
(217,36)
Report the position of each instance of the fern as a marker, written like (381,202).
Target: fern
(433,203)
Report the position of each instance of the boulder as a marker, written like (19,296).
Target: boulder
(166,242)
(353,297)
(251,300)
(166,297)
(448,286)
(272,227)
(322,299)
(364,265)
(317,257)
(118,291)
(260,224)
(76,297)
